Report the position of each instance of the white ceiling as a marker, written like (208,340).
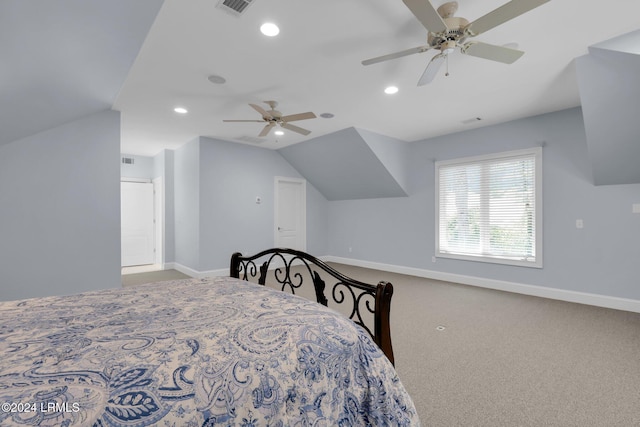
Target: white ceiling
(314,65)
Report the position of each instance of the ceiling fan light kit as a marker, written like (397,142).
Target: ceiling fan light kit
(448,47)
(446,32)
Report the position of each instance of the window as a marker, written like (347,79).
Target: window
(489,208)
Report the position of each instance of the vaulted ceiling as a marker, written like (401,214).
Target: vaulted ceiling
(62,60)
(610,94)
(66,59)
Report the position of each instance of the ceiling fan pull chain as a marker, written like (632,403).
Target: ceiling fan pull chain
(447,73)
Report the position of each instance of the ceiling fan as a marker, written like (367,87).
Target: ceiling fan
(446,33)
(274,117)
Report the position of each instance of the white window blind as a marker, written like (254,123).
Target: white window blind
(489,208)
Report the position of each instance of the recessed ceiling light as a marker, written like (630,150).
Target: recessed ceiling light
(279,133)
(269,29)
(391,90)
(180,110)
(326,115)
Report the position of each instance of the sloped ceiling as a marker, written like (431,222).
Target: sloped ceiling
(610,97)
(358,164)
(63,61)
(351,164)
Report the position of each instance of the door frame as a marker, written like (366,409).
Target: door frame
(158,219)
(303,209)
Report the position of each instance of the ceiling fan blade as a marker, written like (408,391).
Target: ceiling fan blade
(266,129)
(299,116)
(252,121)
(502,54)
(262,111)
(427,15)
(400,54)
(432,69)
(295,128)
(501,15)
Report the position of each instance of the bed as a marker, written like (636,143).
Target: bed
(194,352)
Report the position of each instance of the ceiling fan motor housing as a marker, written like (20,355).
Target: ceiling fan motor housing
(275,115)
(454,33)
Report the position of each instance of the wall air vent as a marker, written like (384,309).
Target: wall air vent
(128,160)
(234,7)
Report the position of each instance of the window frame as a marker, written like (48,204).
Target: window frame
(537,154)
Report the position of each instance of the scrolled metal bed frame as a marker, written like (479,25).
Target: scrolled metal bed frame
(364,297)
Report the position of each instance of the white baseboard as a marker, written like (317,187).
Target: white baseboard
(195,273)
(519,288)
(276,263)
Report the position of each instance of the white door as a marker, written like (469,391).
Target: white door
(291,213)
(137,223)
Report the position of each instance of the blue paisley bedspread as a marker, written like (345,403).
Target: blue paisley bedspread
(195,352)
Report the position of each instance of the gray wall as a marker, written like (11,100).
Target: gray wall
(60,210)
(214,200)
(163,166)
(187,204)
(142,167)
(232,175)
(610,99)
(601,258)
(210,209)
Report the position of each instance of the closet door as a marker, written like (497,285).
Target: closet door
(137,223)
(290,213)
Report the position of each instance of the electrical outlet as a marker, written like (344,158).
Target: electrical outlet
(433,259)
(579,223)
(350,249)
(635,208)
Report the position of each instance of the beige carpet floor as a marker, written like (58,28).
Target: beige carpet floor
(151,277)
(477,357)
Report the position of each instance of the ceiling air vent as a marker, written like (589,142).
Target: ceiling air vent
(234,7)
(127,160)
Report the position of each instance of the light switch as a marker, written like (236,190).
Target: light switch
(635,208)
